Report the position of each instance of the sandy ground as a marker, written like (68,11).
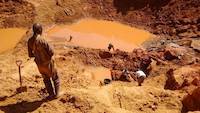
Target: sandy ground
(81,92)
(80,82)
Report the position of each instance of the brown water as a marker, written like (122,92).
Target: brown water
(99,33)
(10,37)
(87,33)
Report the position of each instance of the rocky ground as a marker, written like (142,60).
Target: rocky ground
(173,18)
(176,24)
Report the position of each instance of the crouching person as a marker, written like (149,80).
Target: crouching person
(43,53)
(140,77)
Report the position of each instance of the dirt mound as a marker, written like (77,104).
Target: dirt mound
(105,54)
(192,102)
(178,51)
(138,59)
(16,13)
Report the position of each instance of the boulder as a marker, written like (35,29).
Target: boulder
(170,55)
(191,102)
(174,51)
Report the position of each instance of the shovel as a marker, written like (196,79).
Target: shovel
(21,88)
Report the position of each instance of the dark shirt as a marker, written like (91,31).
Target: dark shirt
(40,49)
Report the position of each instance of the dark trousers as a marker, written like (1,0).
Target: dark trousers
(52,84)
(140,80)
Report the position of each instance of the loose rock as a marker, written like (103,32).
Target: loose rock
(192,101)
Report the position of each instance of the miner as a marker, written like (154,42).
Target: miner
(42,52)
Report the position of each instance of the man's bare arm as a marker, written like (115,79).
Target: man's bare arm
(30,52)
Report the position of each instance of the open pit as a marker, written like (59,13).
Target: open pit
(93,33)
(88,33)
(85,61)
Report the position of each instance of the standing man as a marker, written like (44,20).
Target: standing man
(43,53)
(110,46)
